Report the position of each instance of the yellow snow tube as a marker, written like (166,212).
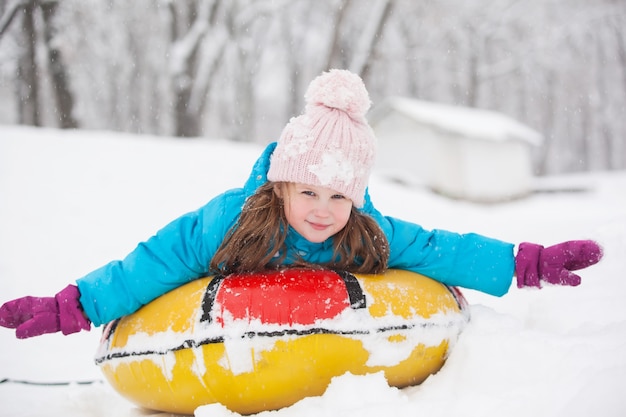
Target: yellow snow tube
(265,341)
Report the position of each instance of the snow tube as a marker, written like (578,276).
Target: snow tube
(265,341)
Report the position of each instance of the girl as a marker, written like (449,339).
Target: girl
(305,203)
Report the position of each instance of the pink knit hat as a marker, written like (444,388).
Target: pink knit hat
(330,145)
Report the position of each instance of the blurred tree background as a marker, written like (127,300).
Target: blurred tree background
(237,69)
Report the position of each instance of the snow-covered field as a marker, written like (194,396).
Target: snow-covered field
(71,201)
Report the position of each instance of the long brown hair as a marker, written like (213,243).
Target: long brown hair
(251,244)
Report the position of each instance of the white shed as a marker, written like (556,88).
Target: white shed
(460,152)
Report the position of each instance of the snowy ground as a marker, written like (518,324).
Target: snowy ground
(71,201)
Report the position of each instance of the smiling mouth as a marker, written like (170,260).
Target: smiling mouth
(318,226)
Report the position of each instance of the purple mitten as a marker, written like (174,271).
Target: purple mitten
(534,263)
(34,316)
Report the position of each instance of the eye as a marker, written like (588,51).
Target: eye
(338,197)
(309,193)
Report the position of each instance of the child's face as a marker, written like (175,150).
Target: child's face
(317,213)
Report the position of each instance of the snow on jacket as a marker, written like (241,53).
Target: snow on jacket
(182,251)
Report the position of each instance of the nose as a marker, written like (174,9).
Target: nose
(322,208)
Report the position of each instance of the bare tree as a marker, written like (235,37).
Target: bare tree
(60,85)
(338,19)
(27,85)
(370,37)
(29,71)
(191,25)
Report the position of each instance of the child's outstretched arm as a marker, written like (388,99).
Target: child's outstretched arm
(34,316)
(481,263)
(175,255)
(535,264)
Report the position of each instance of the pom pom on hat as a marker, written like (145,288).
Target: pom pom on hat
(331,144)
(339,89)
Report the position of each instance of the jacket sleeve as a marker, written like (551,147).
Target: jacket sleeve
(465,260)
(175,255)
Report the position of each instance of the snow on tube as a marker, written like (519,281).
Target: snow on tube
(265,341)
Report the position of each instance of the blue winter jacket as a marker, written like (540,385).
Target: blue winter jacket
(182,251)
